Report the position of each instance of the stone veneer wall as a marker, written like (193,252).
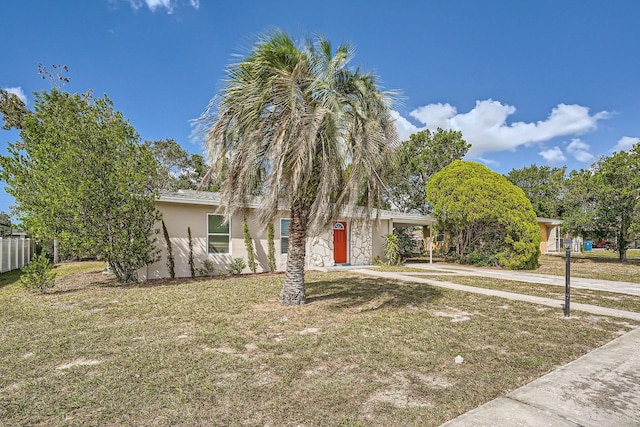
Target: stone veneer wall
(320,248)
(361,244)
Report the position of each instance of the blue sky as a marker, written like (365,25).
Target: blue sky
(550,82)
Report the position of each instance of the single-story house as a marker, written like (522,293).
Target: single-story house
(346,242)
(551,238)
(220,240)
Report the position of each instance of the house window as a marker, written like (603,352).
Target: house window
(440,238)
(218,235)
(284,235)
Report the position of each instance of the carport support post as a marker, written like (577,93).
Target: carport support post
(430,243)
(567,278)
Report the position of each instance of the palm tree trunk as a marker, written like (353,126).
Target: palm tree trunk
(293,288)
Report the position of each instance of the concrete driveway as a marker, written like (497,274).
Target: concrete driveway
(521,276)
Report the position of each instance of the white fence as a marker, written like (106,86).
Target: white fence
(14,253)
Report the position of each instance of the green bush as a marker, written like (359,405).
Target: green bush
(406,244)
(208,269)
(271,257)
(248,244)
(485,215)
(237,266)
(38,275)
(171,263)
(192,265)
(392,249)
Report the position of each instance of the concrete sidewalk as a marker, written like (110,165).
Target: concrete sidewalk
(521,276)
(602,388)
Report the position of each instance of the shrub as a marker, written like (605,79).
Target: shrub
(406,244)
(208,269)
(392,249)
(248,243)
(271,257)
(38,275)
(171,263)
(485,215)
(192,266)
(237,266)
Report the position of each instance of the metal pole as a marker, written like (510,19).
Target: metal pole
(567,279)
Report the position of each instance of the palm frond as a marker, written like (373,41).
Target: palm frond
(290,119)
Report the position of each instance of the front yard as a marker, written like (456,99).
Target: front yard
(364,351)
(597,264)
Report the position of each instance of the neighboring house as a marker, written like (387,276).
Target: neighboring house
(347,241)
(551,238)
(5,229)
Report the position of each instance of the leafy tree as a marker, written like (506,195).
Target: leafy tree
(172,159)
(288,121)
(5,224)
(193,177)
(177,169)
(581,204)
(79,176)
(490,220)
(12,109)
(604,200)
(543,186)
(424,154)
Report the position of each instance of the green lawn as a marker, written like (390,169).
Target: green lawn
(364,351)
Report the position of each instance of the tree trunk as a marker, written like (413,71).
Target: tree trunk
(56,252)
(622,245)
(293,288)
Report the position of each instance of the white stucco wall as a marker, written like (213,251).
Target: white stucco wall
(364,242)
(379,229)
(178,217)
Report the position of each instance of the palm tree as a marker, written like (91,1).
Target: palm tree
(288,122)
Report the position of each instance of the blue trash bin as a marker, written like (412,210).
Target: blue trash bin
(588,245)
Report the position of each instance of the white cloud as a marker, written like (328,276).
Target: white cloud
(404,127)
(488,161)
(168,5)
(626,143)
(17,91)
(434,115)
(485,126)
(553,155)
(580,150)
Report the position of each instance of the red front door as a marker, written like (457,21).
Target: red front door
(340,242)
